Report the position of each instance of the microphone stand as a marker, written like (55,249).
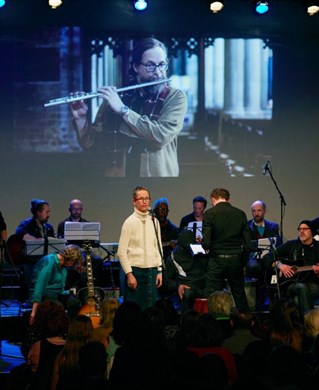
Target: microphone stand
(159,245)
(276,269)
(282,201)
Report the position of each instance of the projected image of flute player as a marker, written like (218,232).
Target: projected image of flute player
(140,127)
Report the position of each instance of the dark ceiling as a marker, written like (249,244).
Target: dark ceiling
(286,18)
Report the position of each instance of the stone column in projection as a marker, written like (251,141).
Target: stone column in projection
(253,72)
(234,77)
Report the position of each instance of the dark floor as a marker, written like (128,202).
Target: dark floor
(11,330)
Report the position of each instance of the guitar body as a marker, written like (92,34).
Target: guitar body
(14,251)
(91,309)
(90,295)
(301,273)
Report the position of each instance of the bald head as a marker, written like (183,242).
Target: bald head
(76,209)
(258,211)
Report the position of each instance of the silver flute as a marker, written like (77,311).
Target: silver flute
(90,95)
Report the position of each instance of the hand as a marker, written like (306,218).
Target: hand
(181,290)
(316,269)
(112,97)
(159,280)
(287,270)
(131,281)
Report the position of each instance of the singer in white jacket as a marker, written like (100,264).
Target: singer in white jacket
(139,252)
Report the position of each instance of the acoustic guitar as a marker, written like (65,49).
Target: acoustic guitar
(90,296)
(14,251)
(298,267)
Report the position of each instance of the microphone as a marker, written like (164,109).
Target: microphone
(272,244)
(151,212)
(266,168)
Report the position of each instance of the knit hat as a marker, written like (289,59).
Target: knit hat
(159,201)
(310,225)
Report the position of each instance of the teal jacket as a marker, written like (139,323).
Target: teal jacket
(48,279)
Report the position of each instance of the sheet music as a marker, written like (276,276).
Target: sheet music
(197,249)
(36,247)
(265,244)
(82,231)
(197,226)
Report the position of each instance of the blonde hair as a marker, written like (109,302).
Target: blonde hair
(72,253)
(109,307)
(220,302)
(311,323)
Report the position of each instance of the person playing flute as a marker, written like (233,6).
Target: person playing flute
(140,127)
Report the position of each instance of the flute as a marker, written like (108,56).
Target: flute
(91,95)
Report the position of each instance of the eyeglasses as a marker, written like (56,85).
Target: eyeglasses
(76,208)
(300,229)
(142,199)
(152,67)
(162,208)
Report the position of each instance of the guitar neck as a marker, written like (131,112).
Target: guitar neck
(89,272)
(304,268)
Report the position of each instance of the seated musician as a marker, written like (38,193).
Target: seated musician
(36,226)
(300,285)
(259,228)
(169,231)
(32,228)
(3,233)
(74,278)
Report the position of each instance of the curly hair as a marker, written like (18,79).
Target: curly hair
(72,253)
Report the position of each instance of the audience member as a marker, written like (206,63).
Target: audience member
(194,220)
(171,321)
(286,368)
(102,333)
(34,332)
(66,365)
(143,357)
(92,367)
(243,331)
(298,284)
(226,235)
(220,304)
(286,324)
(43,352)
(311,329)
(140,253)
(200,333)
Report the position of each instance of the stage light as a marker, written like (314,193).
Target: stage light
(312,8)
(262,7)
(55,3)
(2,3)
(140,5)
(216,6)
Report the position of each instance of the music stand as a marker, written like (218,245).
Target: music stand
(83,232)
(265,245)
(37,247)
(197,228)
